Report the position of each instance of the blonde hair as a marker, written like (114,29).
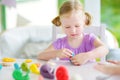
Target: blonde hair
(69,6)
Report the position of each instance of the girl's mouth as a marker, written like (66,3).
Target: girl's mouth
(73,34)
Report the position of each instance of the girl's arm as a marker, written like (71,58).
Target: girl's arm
(47,53)
(51,53)
(99,51)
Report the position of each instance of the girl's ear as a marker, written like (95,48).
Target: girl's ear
(88,19)
(56,21)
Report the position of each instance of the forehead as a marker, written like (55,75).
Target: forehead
(72,17)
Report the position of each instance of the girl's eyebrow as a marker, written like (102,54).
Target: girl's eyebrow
(66,26)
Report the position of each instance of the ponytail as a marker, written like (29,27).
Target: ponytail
(88,19)
(56,21)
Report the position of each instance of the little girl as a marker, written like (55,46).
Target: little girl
(72,19)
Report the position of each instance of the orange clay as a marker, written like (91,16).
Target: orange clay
(37,64)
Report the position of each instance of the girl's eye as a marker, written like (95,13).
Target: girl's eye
(67,27)
(77,26)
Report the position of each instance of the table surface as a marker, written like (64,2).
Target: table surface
(86,71)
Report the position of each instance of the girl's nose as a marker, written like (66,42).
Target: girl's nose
(73,30)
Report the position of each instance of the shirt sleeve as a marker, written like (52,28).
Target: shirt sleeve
(90,38)
(57,44)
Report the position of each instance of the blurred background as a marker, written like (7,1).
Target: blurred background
(39,13)
(110,15)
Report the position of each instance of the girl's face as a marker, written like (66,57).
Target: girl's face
(73,24)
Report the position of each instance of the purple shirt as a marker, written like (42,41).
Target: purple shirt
(86,45)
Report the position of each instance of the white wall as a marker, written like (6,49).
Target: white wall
(11,17)
(39,12)
(94,8)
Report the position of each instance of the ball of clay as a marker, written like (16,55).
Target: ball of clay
(46,71)
(62,73)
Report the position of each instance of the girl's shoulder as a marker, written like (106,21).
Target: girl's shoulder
(89,35)
(58,43)
(60,39)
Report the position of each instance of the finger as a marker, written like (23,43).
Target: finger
(73,61)
(72,58)
(112,61)
(69,51)
(76,63)
(68,54)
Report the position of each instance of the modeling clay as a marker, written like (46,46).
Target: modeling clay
(37,64)
(34,69)
(46,71)
(8,59)
(28,60)
(16,66)
(0,66)
(62,73)
(24,67)
(98,59)
(17,75)
(73,54)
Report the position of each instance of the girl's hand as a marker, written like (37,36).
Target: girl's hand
(79,59)
(64,53)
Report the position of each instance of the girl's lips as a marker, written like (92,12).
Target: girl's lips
(73,34)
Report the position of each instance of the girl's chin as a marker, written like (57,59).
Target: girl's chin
(73,36)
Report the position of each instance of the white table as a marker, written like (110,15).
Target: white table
(86,71)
